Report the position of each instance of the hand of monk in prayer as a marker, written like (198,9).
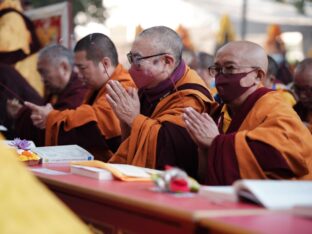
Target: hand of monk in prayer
(201,127)
(125,103)
(39,114)
(13,107)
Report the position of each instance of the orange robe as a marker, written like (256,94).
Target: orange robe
(264,140)
(140,148)
(96,114)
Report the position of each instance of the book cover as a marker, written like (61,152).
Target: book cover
(92,172)
(62,153)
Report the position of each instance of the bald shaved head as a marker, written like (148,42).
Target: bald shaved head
(163,40)
(245,53)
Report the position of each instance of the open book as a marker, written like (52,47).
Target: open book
(108,171)
(272,194)
(62,153)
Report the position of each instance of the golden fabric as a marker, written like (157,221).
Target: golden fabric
(275,123)
(139,148)
(14,35)
(27,206)
(99,112)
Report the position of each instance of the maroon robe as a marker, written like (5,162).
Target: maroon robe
(13,85)
(71,97)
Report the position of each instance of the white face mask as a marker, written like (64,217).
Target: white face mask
(278,58)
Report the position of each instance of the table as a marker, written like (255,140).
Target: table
(271,222)
(133,207)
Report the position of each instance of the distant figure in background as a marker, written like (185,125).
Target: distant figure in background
(303,89)
(92,125)
(19,42)
(203,62)
(271,82)
(27,206)
(63,88)
(255,136)
(275,47)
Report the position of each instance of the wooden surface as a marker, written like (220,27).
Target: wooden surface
(135,207)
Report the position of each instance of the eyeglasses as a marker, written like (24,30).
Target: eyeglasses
(135,58)
(216,70)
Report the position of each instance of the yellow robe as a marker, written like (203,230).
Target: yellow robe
(14,35)
(29,207)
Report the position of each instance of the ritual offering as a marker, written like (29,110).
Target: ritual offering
(25,154)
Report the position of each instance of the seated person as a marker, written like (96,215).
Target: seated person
(151,120)
(257,136)
(14,86)
(29,207)
(63,90)
(303,89)
(270,82)
(93,125)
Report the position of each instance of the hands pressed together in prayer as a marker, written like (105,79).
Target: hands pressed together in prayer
(39,114)
(201,127)
(125,103)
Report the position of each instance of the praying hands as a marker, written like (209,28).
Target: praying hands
(201,127)
(125,103)
(39,114)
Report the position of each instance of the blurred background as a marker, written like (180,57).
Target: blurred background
(204,25)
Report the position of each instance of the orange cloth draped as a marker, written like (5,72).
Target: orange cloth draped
(140,147)
(275,123)
(99,112)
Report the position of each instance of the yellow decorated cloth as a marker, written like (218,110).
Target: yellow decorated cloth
(27,206)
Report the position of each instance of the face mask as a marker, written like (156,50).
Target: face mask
(228,86)
(141,78)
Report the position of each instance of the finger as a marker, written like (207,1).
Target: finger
(193,115)
(120,89)
(111,92)
(191,131)
(32,106)
(111,101)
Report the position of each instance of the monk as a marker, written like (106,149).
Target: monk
(270,81)
(258,136)
(303,89)
(151,119)
(93,125)
(29,207)
(63,90)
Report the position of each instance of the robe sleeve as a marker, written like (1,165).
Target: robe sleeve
(222,166)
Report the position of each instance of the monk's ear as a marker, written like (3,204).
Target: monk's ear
(261,74)
(106,62)
(65,66)
(169,59)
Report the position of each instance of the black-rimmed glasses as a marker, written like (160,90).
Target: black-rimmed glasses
(135,58)
(216,70)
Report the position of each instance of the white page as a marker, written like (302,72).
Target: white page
(3,128)
(279,194)
(48,171)
(131,171)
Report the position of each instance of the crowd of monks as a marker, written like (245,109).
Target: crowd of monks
(219,118)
